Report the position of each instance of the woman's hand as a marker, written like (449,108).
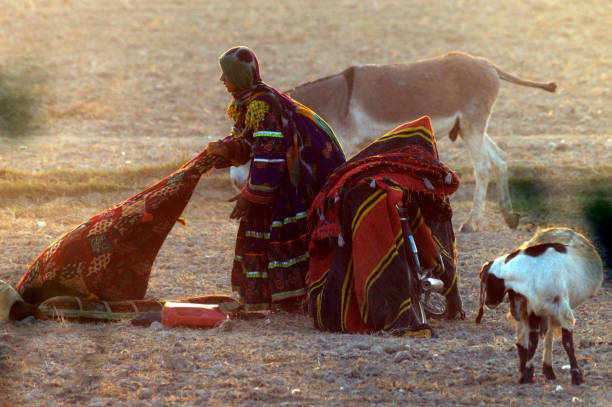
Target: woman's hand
(218,148)
(241,209)
(219,154)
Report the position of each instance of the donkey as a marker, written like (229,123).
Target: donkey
(456,90)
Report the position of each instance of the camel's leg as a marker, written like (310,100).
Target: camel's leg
(497,159)
(480,158)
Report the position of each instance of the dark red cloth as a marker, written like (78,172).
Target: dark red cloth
(358,278)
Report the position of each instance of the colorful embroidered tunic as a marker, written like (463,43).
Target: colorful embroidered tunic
(293,152)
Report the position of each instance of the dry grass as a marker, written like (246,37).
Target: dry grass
(123,91)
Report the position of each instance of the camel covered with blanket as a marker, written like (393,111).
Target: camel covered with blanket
(357,277)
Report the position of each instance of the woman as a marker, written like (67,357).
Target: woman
(292,152)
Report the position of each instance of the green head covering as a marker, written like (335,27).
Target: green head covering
(241,67)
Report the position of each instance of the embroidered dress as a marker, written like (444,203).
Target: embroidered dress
(293,152)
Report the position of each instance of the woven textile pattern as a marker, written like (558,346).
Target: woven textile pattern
(111,254)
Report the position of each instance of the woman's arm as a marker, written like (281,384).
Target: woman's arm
(263,124)
(234,150)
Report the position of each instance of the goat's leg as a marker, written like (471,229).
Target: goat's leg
(567,339)
(523,348)
(497,159)
(534,333)
(547,354)
(480,159)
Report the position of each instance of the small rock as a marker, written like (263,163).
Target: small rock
(377,349)
(157,326)
(212,372)
(179,348)
(123,354)
(177,362)
(228,325)
(202,394)
(487,352)
(373,370)
(469,380)
(353,373)
(145,393)
(402,356)
(362,346)
(66,373)
(89,380)
(26,321)
(392,348)
(240,374)
(97,402)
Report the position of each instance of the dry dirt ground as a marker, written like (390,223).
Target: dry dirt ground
(125,84)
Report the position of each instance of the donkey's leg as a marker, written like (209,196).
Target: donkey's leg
(239,175)
(497,158)
(475,142)
(568,343)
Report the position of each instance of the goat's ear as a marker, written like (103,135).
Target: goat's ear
(484,269)
(484,272)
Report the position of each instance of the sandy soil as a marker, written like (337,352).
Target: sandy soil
(125,84)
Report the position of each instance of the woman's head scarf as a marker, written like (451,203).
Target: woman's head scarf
(240,66)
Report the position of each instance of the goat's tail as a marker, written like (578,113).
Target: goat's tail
(550,86)
(566,315)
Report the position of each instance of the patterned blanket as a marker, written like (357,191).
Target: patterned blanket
(357,277)
(109,257)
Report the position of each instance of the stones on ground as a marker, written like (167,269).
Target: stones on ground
(393,348)
(179,348)
(66,373)
(145,393)
(124,354)
(177,362)
(402,356)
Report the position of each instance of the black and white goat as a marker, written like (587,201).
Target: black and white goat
(545,279)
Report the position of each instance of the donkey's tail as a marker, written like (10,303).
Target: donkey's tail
(550,86)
